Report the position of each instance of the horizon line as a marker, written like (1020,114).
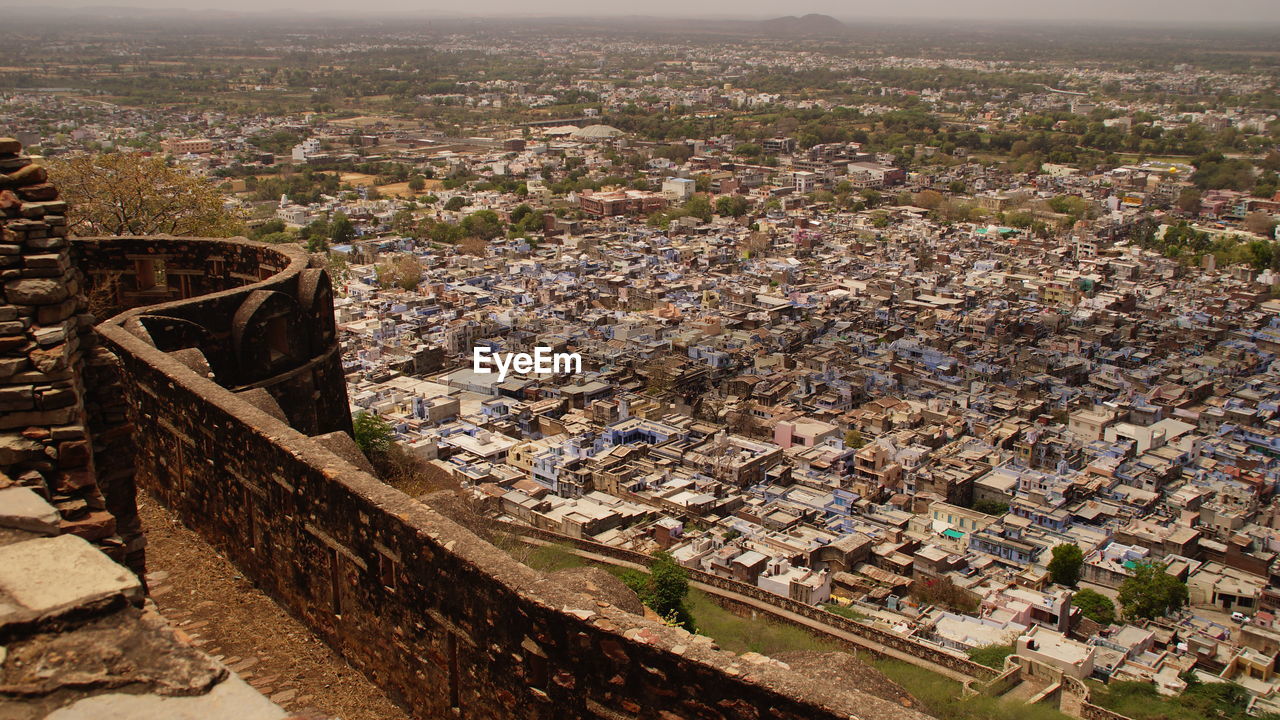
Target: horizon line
(376,13)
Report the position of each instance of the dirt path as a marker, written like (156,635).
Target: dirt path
(206,597)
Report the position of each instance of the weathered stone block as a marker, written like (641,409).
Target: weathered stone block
(50,314)
(38,193)
(72,509)
(10,146)
(74,453)
(47,260)
(37,376)
(51,576)
(23,509)
(52,399)
(28,175)
(44,242)
(94,526)
(70,481)
(9,366)
(61,416)
(40,209)
(50,335)
(36,433)
(35,291)
(17,397)
(13,344)
(30,272)
(15,449)
(68,432)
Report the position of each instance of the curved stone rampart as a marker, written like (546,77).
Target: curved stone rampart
(445,622)
(261,315)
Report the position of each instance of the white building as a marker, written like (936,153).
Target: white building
(801,584)
(306,149)
(678,189)
(805,181)
(1057,651)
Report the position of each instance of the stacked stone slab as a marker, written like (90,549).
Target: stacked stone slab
(46,342)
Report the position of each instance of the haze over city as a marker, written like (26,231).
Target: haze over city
(587,361)
(1158,12)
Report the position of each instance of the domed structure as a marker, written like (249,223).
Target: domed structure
(596,133)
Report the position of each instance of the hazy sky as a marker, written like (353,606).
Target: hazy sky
(1154,11)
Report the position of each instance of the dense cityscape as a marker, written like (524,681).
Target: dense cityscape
(968,337)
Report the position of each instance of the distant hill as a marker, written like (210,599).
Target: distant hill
(811,24)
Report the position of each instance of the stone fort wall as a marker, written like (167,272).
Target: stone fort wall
(251,316)
(448,624)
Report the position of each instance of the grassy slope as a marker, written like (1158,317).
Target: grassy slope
(940,695)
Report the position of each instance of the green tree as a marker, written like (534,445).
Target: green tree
(1214,171)
(732,205)
(417,183)
(484,224)
(278,142)
(1266,185)
(522,210)
(317,244)
(1189,200)
(276,237)
(928,199)
(404,222)
(1066,563)
(373,435)
(1095,606)
(1260,222)
(316,235)
(455,203)
(668,586)
(1073,205)
(698,206)
(991,507)
(341,231)
(1151,592)
(274,225)
(663,589)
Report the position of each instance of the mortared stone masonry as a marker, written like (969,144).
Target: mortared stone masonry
(67,443)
